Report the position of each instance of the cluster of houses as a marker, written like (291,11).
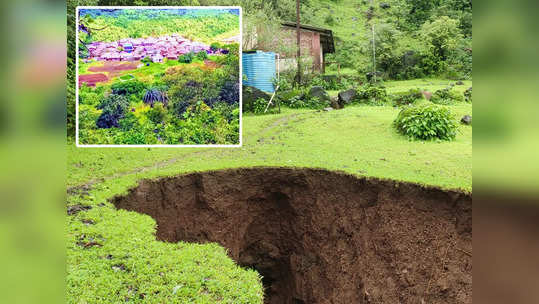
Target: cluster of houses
(134,49)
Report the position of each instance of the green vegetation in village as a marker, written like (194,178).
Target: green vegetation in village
(189,101)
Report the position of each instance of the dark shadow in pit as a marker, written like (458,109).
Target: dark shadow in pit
(317,236)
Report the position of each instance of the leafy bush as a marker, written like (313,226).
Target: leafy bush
(259,105)
(300,101)
(108,119)
(146,60)
(332,83)
(230,92)
(446,96)
(284,83)
(201,55)
(157,114)
(372,95)
(113,107)
(129,122)
(89,98)
(131,87)
(315,103)
(406,98)
(186,58)
(114,103)
(88,117)
(426,122)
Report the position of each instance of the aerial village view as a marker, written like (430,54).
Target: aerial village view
(158,77)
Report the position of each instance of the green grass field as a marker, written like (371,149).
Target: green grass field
(112,255)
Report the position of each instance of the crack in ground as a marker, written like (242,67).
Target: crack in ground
(317,236)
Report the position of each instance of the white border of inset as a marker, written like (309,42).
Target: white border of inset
(155,7)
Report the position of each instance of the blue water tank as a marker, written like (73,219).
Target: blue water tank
(259,68)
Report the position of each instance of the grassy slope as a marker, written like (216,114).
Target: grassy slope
(350,24)
(357,139)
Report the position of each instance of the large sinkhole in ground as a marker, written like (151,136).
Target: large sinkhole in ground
(322,237)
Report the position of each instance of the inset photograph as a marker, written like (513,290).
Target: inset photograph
(158,76)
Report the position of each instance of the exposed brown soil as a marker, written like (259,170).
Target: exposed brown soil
(92,79)
(322,237)
(112,66)
(211,64)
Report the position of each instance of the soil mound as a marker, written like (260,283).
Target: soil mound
(322,237)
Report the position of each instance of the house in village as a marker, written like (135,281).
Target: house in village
(170,46)
(315,43)
(157,58)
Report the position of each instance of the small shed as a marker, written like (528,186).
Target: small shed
(315,43)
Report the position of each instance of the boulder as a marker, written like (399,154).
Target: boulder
(466,119)
(427,95)
(459,83)
(346,97)
(335,103)
(385,5)
(319,92)
(250,94)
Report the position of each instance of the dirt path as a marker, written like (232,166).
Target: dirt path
(167,162)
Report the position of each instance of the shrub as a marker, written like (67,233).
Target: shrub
(373,95)
(294,102)
(108,119)
(426,122)
(131,87)
(186,58)
(157,114)
(230,92)
(128,122)
(406,98)
(299,101)
(259,105)
(330,83)
(316,103)
(113,109)
(446,96)
(201,55)
(146,60)
(89,98)
(155,95)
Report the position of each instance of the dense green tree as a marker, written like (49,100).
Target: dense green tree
(441,36)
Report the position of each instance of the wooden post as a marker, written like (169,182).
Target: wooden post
(373,47)
(298,76)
